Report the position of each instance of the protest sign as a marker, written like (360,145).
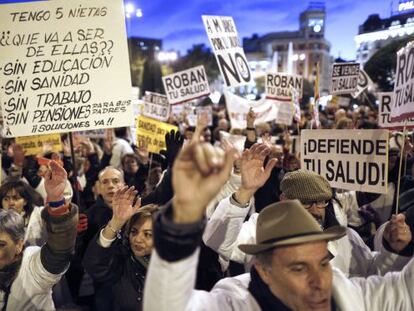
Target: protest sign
(285,112)
(296,104)
(230,57)
(152,133)
(351,159)
(238,107)
(192,114)
(237,141)
(403,103)
(97,134)
(279,85)
(364,82)
(156,106)
(344,78)
(384,119)
(186,85)
(64,67)
(38,144)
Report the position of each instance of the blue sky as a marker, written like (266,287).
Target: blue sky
(179,23)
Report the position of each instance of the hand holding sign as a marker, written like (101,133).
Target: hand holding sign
(397,233)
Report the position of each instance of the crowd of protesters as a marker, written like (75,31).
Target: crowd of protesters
(114,227)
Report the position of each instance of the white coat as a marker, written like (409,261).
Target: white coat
(227,229)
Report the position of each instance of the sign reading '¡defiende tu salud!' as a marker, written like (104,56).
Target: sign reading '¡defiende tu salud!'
(64,67)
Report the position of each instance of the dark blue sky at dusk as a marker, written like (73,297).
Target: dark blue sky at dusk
(178,23)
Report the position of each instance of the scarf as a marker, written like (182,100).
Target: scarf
(8,274)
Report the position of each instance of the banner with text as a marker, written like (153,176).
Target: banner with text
(279,85)
(39,144)
(344,78)
(64,67)
(222,33)
(152,133)
(403,103)
(238,107)
(186,85)
(193,112)
(385,103)
(156,106)
(351,160)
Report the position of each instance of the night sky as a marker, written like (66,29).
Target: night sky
(179,23)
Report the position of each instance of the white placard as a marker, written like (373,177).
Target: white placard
(156,106)
(238,107)
(348,159)
(230,57)
(186,85)
(285,112)
(344,78)
(64,67)
(193,112)
(403,103)
(384,119)
(279,86)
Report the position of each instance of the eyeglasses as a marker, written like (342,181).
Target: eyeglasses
(319,204)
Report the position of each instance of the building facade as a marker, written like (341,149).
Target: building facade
(376,32)
(295,52)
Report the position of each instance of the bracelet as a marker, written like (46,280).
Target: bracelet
(57,203)
(116,232)
(250,128)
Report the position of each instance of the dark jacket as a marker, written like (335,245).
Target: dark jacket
(116,268)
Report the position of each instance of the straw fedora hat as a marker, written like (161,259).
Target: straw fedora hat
(287,223)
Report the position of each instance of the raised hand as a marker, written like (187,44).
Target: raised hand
(55,182)
(122,208)
(142,152)
(397,233)
(199,172)
(174,142)
(250,118)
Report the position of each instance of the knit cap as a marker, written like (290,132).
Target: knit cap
(305,186)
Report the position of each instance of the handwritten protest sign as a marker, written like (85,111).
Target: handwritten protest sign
(351,159)
(38,144)
(344,78)
(152,133)
(238,107)
(186,85)
(403,104)
(64,66)
(279,85)
(156,106)
(384,119)
(230,57)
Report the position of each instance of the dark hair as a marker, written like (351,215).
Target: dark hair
(147,211)
(24,190)
(130,156)
(120,132)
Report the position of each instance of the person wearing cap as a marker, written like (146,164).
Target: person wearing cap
(292,268)
(226,228)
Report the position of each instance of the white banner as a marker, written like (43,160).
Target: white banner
(279,85)
(351,159)
(230,57)
(64,67)
(237,141)
(156,106)
(186,85)
(344,78)
(384,119)
(403,103)
(238,107)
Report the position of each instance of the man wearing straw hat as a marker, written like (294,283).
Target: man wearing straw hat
(291,270)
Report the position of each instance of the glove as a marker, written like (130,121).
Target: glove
(173,141)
